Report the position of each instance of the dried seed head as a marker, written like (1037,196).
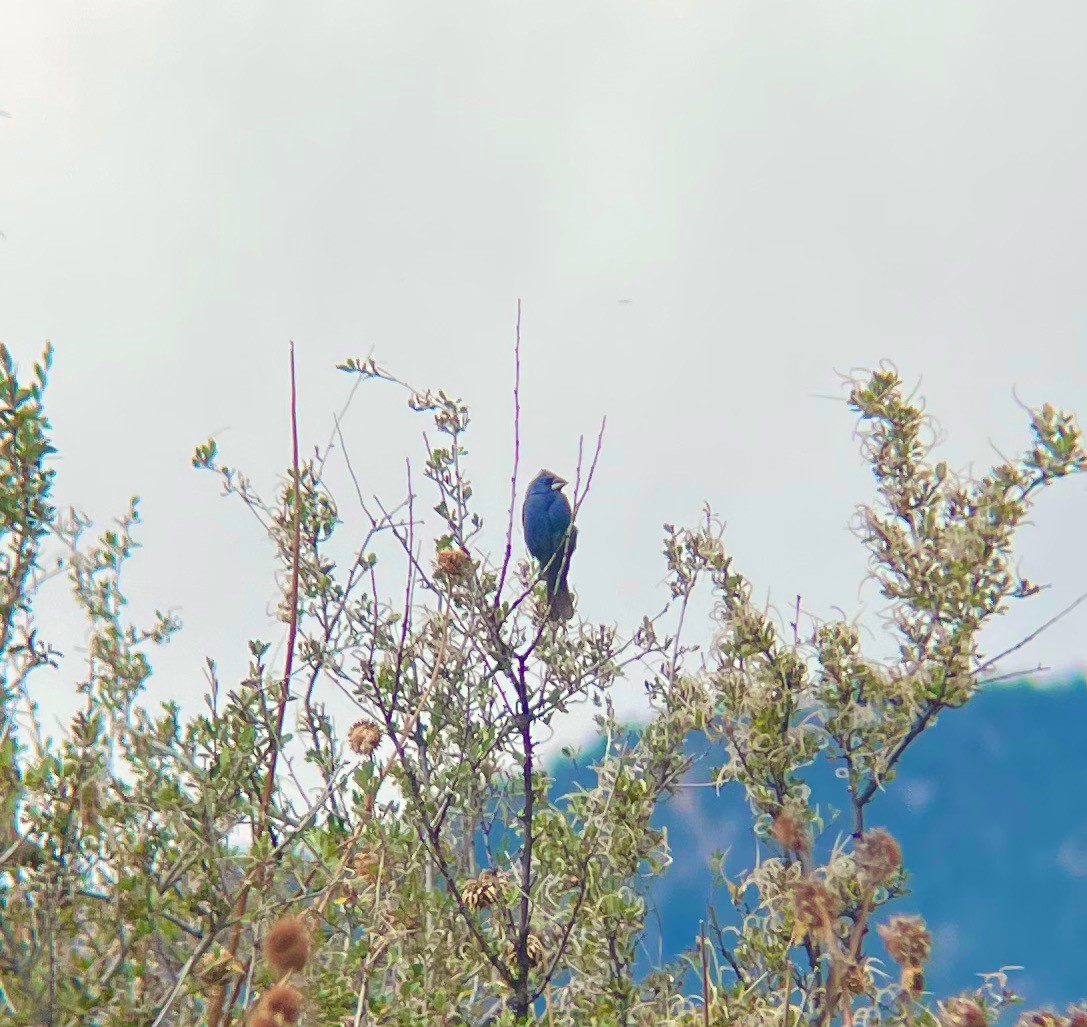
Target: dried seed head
(962,1011)
(1077,1016)
(878,856)
(814,908)
(282,1003)
(259,1019)
(483,891)
(791,832)
(1041,1018)
(286,946)
(857,980)
(534,947)
(907,939)
(454,564)
(364,737)
(534,950)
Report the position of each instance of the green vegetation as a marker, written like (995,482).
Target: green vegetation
(164,867)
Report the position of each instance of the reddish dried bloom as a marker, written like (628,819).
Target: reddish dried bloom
(454,564)
(1077,1016)
(962,1011)
(814,907)
(857,980)
(791,832)
(282,1003)
(878,855)
(907,939)
(364,737)
(286,946)
(1041,1018)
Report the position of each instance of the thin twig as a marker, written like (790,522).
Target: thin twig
(516,456)
(215,1012)
(579,495)
(704,956)
(1032,636)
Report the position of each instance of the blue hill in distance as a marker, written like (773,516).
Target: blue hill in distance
(990,807)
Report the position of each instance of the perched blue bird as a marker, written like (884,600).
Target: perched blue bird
(551,538)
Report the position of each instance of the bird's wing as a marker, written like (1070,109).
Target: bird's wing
(558,515)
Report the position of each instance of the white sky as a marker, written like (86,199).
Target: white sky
(783,191)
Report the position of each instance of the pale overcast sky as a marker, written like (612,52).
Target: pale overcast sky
(783,191)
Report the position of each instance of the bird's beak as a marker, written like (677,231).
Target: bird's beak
(558,483)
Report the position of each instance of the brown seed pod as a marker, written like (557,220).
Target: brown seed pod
(791,832)
(962,1011)
(907,940)
(878,856)
(286,946)
(282,1003)
(364,736)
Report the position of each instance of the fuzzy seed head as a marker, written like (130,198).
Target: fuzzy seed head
(857,980)
(962,1011)
(907,939)
(1077,1016)
(454,564)
(1041,1018)
(791,832)
(286,946)
(814,907)
(282,1003)
(878,856)
(364,737)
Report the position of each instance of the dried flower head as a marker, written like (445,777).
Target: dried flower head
(282,1003)
(534,950)
(878,856)
(1077,1016)
(857,980)
(482,891)
(286,946)
(814,908)
(962,1011)
(454,564)
(259,1019)
(907,939)
(791,832)
(364,737)
(1041,1018)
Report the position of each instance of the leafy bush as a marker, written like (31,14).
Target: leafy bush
(161,867)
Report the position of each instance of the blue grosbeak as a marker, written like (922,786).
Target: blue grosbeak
(551,538)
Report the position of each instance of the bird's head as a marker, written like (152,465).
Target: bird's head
(547,481)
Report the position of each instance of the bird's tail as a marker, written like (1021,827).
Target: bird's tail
(562,604)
